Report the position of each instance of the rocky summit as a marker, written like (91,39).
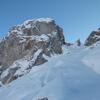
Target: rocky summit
(31,42)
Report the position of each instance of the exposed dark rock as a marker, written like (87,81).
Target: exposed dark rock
(93,38)
(78,42)
(43,98)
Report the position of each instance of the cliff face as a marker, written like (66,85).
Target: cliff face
(34,40)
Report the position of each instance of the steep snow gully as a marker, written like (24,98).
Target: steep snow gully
(63,77)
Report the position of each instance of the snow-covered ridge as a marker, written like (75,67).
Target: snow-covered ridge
(47,20)
(29,24)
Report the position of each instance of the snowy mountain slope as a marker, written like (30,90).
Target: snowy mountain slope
(92,59)
(63,77)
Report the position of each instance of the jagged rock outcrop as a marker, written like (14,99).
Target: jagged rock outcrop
(32,41)
(93,38)
(77,43)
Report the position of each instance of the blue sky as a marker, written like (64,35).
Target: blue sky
(77,17)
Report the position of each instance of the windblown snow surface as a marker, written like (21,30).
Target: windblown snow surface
(74,75)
